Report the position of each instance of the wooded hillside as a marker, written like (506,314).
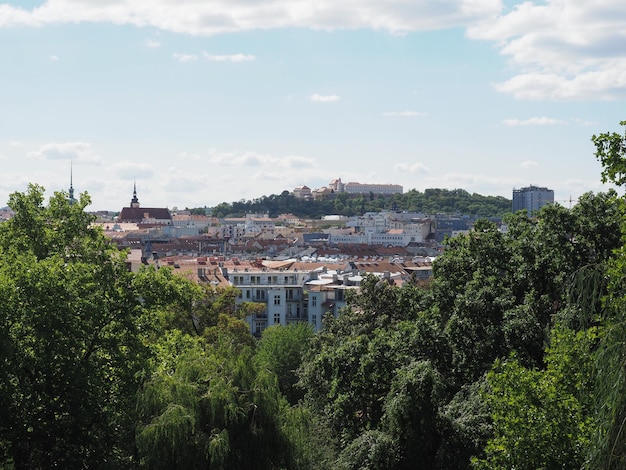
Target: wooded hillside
(431,201)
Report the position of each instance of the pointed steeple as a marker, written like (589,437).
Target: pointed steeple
(71,190)
(134,202)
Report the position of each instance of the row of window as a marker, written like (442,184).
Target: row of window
(259,295)
(269,280)
(259,326)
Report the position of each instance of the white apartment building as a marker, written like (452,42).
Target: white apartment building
(382,228)
(279,290)
(237,227)
(291,291)
(293,295)
(195,221)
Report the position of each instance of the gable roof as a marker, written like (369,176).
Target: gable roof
(137,214)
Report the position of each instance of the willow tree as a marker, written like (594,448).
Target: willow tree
(206,406)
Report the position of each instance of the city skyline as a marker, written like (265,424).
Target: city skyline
(204,103)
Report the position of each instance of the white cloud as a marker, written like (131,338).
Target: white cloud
(53,58)
(404,114)
(583,122)
(411,168)
(269,176)
(561,50)
(316,98)
(133,170)
(185,182)
(486,184)
(194,157)
(222,16)
(79,152)
(228,58)
(185,58)
(535,121)
(528,164)
(251,159)
(152,44)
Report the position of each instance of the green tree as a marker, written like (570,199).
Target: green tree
(71,352)
(542,418)
(608,448)
(280,351)
(611,152)
(371,378)
(205,406)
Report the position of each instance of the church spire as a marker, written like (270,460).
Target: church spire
(134,202)
(71,190)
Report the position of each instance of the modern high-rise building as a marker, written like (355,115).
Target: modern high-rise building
(531,198)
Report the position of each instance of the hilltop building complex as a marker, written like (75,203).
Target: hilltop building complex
(337,186)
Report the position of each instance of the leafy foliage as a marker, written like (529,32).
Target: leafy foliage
(206,407)
(280,351)
(70,348)
(542,418)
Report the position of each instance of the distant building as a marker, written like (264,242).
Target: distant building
(364,188)
(531,198)
(336,185)
(302,192)
(144,215)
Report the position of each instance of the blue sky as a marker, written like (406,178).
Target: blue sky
(202,102)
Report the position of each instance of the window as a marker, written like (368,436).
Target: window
(314,318)
(276,318)
(247,293)
(289,294)
(277,300)
(313,301)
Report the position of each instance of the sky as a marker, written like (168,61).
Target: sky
(201,102)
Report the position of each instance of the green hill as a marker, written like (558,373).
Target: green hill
(431,201)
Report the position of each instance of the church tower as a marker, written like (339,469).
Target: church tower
(134,202)
(148,216)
